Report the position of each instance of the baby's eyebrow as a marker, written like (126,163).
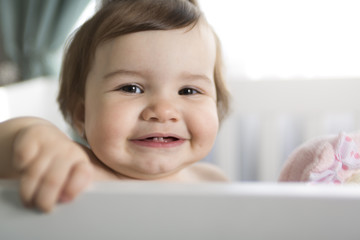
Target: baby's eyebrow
(142,74)
(123,72)
(191,76)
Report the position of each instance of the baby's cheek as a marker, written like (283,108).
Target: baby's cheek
(205,129)
(101,134)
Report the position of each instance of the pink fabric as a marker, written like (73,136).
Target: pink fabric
(324,160)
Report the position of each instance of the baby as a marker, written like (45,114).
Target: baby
(142,83)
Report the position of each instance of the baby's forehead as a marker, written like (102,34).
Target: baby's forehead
(159,53)
(198,38)
(201,28)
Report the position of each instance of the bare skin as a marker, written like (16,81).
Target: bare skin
(49,165)
(52,168)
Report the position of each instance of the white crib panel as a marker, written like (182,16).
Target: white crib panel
(313,126)
(296,97)
(312,102)
(227,153)
(150,210)
(270,149)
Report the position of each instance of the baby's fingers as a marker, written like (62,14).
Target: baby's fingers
(80,177)
(30,179)
(50,185)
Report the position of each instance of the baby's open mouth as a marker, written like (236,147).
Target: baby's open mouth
(160,139)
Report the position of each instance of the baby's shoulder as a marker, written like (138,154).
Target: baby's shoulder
(207,172)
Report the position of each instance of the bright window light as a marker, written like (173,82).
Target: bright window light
(88,12)
(283,39)
(287,39)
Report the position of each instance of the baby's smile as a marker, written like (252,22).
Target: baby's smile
(158,140)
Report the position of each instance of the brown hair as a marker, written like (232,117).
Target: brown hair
(117,18)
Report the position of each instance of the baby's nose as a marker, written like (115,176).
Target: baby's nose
(161,110)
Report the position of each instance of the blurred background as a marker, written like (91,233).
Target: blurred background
(262,39)
(293,67)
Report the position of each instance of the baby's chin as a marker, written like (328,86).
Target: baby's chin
(147,174)
(145,167)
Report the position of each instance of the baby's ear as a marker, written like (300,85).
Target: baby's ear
(313,156)
(79,118)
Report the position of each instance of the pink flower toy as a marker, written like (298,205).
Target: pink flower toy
(331,160)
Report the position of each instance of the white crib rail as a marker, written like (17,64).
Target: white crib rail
(153,210)
(279,109)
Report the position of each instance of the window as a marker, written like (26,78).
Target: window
(284,39)
(287,39)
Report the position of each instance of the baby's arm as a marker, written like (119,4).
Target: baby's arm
(50,166)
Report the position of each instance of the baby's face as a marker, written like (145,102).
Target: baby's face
(150,102)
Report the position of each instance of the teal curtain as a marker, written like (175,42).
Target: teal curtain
(33,31)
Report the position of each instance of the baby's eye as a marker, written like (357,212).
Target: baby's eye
(131,88)
(188,91)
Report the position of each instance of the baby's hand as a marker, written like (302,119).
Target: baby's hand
(52,167)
